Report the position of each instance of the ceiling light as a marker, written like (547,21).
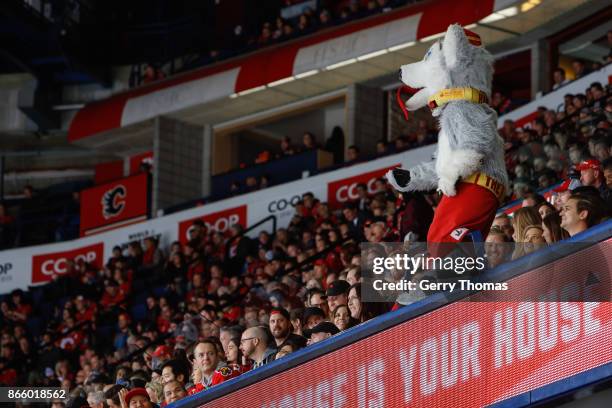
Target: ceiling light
(252,90)
(500,15)
(372,55)
(528,5)
(432,37)
(307,74)
(281,81)
(401,46)
(341,64)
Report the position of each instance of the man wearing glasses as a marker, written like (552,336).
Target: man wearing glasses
(254,345)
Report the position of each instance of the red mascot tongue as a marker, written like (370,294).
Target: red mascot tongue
(400,100)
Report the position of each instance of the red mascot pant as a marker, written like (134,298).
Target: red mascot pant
(473,208)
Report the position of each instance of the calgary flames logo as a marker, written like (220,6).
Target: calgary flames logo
(113,201)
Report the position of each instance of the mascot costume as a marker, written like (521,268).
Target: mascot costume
(454,80)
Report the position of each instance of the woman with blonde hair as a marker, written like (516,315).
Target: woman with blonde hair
(155,391)
(522,219)
(534,238)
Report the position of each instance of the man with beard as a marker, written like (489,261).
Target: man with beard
(281,328)
(254,346)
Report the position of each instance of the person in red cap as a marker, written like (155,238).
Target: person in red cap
(564,191)
(592,174)
(136,398)
(162,354)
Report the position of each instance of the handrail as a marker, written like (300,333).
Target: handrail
(252,227)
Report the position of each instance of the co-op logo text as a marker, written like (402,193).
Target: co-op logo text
(60,266)
(283,204)
(349,192)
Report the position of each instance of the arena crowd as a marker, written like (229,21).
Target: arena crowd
(157,324)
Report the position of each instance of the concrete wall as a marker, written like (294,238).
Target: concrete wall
(365,110)
(182,162)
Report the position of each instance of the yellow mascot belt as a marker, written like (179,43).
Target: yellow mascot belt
(455,94)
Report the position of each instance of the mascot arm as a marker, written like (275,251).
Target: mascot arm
(422,177)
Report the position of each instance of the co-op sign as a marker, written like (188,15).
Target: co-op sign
(218,221)
(45,266)
(275,206)
(344,190)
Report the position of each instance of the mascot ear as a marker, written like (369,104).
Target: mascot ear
(455,45)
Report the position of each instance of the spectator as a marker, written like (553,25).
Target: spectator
(312,316)
(551,228)
(381,147)
(591,175)
(96,399)
(521,220)
(559,78)
(579,69)
(286,149)
(287,348)
(503,222)
(337,294)
(532,200)
(352,154)
(281,328)
(112,396)
(533,238)
(173,391)
(136,398)
(309,142)
(227,333)
(335,144)
(363,311)
(342,318)
(152,256)
(607,169)
(580,212)
(353,276)
(322,331)
(175,370)
(545,208)
(601,150)
(155,391)
(497,247)
(254,345)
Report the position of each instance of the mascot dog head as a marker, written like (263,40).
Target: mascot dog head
(452,62)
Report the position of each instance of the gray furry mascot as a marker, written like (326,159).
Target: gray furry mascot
(455,79)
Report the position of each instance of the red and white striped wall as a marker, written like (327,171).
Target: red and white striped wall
(269,65)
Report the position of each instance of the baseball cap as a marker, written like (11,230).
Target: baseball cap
(324,327)
(281,311)
(312,311)
(337,288)
(568,184)
(588,164)
(161,350)
(134,392)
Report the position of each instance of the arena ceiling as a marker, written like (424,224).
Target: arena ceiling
(545,16)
